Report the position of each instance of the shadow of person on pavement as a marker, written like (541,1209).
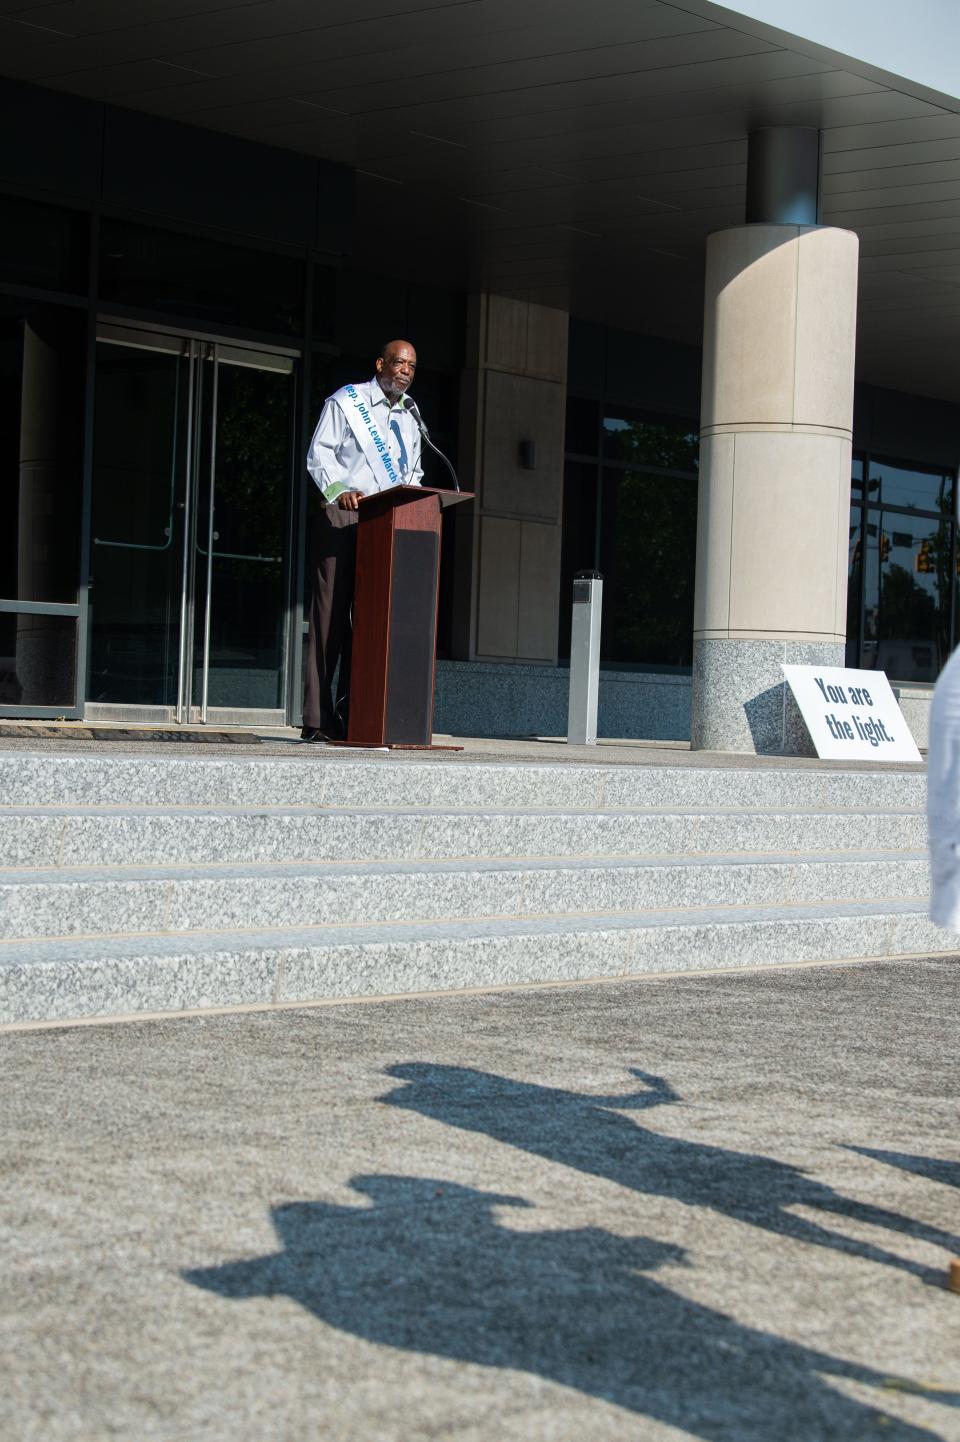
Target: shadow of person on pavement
(935,1169)
(588,1134)
(426,1267)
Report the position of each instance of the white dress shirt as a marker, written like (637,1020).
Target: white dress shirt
(335,460)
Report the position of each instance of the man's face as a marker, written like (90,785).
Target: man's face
(396,368)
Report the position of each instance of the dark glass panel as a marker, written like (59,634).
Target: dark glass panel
(854,585)
(371,310)
(665,442)
(204,177)
(856,478)
(586,357)
(139,514)
(203,280)
(324,380)
(583,427)
(37,660)
(162,430)
(908,566)
(648,538)
(252,469)
(42,246)
(324,303)
(436,327)
(913,487)
(578,538)
(49,141)
(42,370)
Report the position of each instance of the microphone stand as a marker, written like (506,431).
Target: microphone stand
(408,405)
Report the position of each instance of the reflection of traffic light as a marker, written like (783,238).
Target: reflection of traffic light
(924,561)
(884,546)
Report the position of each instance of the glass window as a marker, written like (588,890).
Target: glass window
(42,246)
(203,280)
(324,303)
(856,478)
(37,660)
(436,325)
(579,537)
(854,584)
(913,487)
(42,366)
(908,564)
(666,442)
(648,539)
(583,427)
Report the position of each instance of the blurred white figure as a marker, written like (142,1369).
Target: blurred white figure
(943,797)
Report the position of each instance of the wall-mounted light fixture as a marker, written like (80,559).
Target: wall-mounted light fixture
(527,455)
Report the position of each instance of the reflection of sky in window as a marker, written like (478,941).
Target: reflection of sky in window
(610,423)
(917,489)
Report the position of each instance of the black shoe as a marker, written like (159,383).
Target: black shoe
(313,733)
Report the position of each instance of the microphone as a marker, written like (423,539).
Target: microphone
(407,404)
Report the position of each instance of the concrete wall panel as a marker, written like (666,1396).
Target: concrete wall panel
(539,597)
(518,408)
(513,390)
(505,339)
(547,332)
(499,587)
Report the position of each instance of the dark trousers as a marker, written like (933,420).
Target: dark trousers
(333,568)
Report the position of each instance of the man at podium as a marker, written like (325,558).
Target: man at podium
(367,440)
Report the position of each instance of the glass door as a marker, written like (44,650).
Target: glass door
(190,549)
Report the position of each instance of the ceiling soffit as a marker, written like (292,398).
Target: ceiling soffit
(579,155)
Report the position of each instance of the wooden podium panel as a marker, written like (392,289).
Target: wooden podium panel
(395,616)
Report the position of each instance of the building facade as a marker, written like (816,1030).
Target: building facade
(205,228)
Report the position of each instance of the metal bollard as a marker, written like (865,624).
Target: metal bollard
(584,659)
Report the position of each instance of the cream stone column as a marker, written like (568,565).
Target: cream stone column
(776,433)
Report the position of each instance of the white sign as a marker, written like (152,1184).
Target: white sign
(851,715)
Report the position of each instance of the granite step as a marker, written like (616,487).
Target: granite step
(138,884)
(71,979)
(146,836)
(91,901)
(315,779)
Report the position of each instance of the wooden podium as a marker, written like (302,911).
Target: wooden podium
(395,616)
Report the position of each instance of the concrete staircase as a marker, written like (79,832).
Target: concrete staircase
(155,884)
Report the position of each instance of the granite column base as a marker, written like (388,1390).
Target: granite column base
(741,701)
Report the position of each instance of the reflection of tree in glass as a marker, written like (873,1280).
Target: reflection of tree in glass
(942,551)
(252,463)
(908,610)
(854,583)
(655,541)
(671,446)
(907,613)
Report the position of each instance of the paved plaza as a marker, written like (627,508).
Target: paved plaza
(717,1207)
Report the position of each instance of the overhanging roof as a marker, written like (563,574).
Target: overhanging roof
(578,154)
